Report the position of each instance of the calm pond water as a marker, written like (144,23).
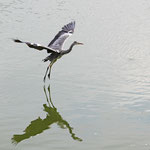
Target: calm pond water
(98,97)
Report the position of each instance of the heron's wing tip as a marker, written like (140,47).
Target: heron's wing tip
(16,40)
(69,27)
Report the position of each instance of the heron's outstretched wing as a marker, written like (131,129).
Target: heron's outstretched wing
(59,39)
(36,46)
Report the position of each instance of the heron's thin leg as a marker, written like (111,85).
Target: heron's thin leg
(49,74)
(46,73)
(50,67)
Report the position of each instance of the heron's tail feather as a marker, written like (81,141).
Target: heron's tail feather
(46,59)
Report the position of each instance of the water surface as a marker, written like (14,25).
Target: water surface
(100,92)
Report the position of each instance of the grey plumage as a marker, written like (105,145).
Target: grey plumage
(55,47)
(59,39)
(36,46)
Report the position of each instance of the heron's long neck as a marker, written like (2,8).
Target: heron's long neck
(68,50)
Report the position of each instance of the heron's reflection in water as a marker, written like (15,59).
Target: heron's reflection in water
(38,125)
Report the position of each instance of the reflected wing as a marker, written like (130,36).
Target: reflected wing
(37,46)
(59,39)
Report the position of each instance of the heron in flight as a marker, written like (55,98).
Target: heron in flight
(55,47)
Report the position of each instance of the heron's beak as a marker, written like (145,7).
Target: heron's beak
(80,43)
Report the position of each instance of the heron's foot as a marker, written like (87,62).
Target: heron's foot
(49,75)
(44,78)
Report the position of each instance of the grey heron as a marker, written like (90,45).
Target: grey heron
(55,47)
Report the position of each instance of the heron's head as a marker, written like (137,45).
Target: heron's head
(77,43)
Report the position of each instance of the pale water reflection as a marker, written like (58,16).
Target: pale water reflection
(39,125)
